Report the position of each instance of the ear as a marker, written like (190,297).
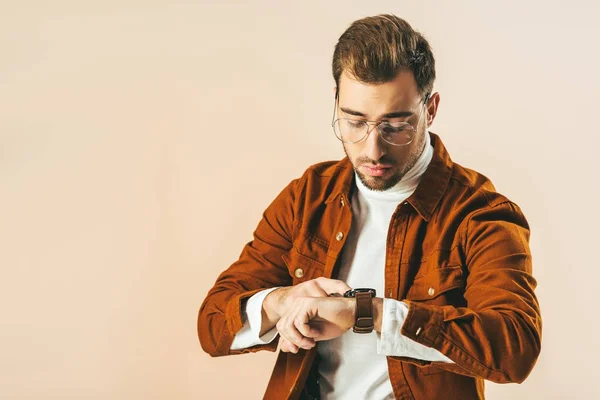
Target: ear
(432,107)
(335,91)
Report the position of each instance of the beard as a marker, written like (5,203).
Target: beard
(378,183)
(381,183)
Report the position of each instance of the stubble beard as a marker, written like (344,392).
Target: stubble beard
(381,184)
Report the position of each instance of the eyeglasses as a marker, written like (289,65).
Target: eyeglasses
(395,133)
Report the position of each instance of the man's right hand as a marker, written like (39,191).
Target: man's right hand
(279,301)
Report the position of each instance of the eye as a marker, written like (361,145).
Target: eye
(395,127)
(353,123)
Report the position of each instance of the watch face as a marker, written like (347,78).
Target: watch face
(352,292)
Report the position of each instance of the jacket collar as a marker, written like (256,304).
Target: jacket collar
(428,193)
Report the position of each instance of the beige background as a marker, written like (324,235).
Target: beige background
(140,142)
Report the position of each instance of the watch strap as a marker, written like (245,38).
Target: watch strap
(364,313)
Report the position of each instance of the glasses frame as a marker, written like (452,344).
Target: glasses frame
(376,124)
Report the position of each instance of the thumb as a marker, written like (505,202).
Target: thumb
(313,331)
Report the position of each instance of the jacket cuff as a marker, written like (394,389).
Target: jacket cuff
(423,323)
(234,311)
(253,313)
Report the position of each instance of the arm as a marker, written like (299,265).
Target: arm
(326,318)
(264,309)
(259,267)
(497,336)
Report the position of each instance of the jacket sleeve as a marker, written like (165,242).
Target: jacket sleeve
(249,334)
(497,336)
(259,267)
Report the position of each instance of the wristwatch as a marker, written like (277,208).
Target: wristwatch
(364,309)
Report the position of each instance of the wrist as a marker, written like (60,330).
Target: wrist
(368,310)
(350,314)
(377,313)
(270,305)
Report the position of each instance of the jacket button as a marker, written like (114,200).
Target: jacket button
(299,273)
(339,236)
(431,291)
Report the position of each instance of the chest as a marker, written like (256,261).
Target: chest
(422,261)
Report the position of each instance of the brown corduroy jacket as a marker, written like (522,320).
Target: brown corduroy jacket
(457,252)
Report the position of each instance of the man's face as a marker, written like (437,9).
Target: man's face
(379,164)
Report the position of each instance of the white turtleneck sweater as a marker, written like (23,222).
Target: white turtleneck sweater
(362,265)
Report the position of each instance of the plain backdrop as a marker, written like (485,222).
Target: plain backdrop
(140,142)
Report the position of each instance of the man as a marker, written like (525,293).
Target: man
(393,273)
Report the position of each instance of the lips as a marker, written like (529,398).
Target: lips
(377,170)
(379,166)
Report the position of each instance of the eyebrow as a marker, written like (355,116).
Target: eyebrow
(395,114)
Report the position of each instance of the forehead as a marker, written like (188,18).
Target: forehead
(373,99)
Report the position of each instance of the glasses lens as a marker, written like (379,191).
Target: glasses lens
(348,130)
(398,133)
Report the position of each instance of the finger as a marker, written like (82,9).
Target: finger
(287,347)
(298,339)
(283,345)
(289,331)
(333,285)
(301,323)
(304,330)
(318,327)
(293,348)
(315,290)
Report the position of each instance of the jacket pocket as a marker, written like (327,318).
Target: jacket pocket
(302,268)
(431,369)
(441,286)
(423,367)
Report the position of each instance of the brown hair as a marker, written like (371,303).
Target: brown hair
(375,49)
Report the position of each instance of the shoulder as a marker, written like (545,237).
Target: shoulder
(317,187)
(474,187)
(327,169)
(323,178)
(476,199)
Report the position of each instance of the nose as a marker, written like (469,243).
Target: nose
(374,146)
